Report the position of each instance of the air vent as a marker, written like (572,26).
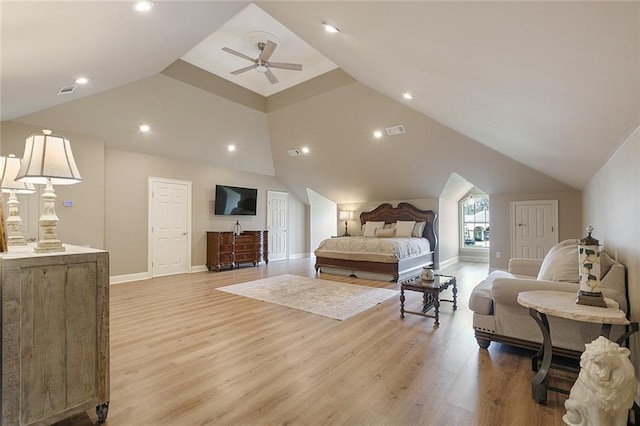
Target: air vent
(395,130)
(67,89)
(294,152)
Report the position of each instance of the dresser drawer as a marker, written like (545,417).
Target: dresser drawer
(226,238)
(226,248)
(244,247)
(244,257)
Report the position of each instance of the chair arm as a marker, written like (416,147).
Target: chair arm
(505,290)
(525,267)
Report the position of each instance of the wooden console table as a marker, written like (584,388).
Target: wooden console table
(228,249)
(563,304)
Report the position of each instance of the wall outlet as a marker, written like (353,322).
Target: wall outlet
(498,254)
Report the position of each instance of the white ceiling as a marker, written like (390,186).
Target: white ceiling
(242,33)
(553,85)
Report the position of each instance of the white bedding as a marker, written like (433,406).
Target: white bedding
(386,250)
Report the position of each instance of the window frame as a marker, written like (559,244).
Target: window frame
(462,224)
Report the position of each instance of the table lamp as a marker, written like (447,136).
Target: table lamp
(346,215)
(48,160)
(9,167)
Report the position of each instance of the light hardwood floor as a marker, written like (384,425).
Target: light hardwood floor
(183,353)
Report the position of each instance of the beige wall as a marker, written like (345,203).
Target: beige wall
(569,221)
(612,206)
(82,224)
(110,208)
(127,180)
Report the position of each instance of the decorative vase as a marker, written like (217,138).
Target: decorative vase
(589,272)
(427,274)
(237,229)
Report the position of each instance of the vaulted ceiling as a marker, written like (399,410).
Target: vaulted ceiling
(513,96)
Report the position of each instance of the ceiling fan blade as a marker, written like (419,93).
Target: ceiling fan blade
(271,76)
(283,65)
(268,50)
(242,55)
(245,69)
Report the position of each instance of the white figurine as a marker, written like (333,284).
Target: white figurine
(605,388)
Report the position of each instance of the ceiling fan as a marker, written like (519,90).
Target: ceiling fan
(261,63)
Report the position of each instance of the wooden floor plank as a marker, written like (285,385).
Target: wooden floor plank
(184,353)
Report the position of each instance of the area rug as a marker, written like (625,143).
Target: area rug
(327,298)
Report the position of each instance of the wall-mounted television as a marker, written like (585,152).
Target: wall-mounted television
(234,200)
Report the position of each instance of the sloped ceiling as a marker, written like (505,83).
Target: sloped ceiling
(536,95)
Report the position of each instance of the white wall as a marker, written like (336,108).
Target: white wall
(611,204)
(323,215)
(448,231)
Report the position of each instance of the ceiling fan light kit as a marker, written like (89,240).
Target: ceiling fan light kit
(261,63)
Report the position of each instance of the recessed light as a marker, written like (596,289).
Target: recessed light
(330,28)
(231,148)
(305,150)
(143,6)
(377,134)
(144,128)
(82,80)
(407,96)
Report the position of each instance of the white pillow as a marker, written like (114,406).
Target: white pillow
(370,228)
(385,232)
(561,263)
(418,229)
(404,228)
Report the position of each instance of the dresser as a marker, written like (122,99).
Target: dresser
(55,334)
(228,249)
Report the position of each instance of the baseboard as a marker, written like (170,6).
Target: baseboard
(199,268)
(478,259)
(117,279)
(448,262)
(299,256)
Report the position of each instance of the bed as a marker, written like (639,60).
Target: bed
(334,255)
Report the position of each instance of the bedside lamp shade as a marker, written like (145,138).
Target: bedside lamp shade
(9,167)
(346,215)
(48,160)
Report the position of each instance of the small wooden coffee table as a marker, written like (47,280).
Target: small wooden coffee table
(431,295)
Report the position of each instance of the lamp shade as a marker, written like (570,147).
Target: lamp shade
(48,157)
(9,167)
(346,215)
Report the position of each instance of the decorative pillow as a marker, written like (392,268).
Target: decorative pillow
(370,228)
(561,263)
(385,232)
(404,228)
(418,229)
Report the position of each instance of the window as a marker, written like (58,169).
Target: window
(475,221)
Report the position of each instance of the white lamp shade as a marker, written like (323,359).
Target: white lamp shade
(346,215)
(9,167)
(47,157)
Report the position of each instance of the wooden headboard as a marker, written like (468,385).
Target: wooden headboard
(405,211)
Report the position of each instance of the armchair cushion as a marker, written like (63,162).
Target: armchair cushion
(482,300)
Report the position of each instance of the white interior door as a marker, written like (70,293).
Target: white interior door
(534,228)
(170,233)
(277,205)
